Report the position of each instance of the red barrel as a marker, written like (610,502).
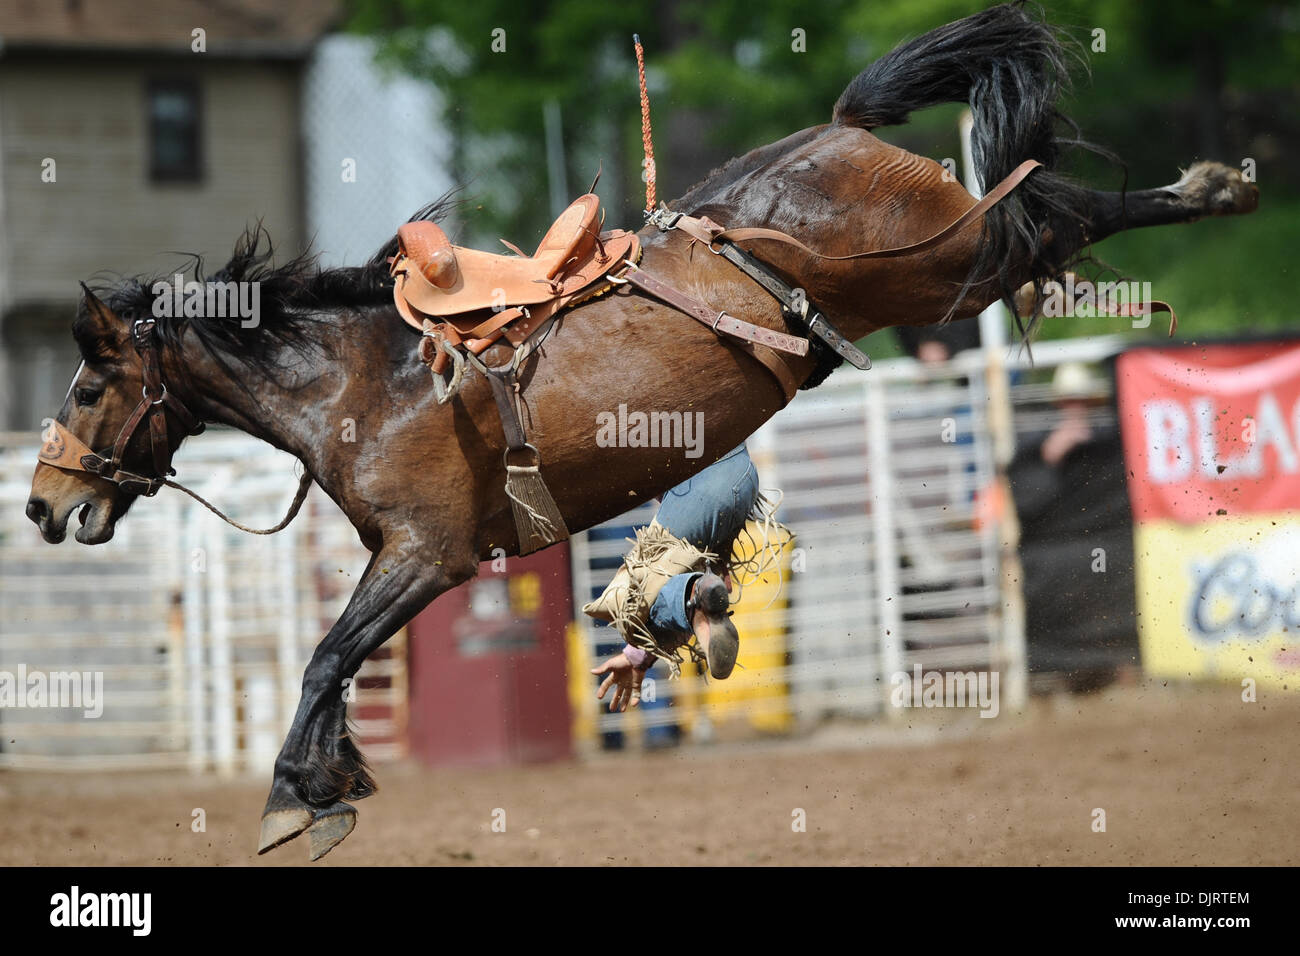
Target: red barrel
(487,666)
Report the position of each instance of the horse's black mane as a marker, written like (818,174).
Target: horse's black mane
(295,297)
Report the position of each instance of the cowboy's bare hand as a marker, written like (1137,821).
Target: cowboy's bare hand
(624,678)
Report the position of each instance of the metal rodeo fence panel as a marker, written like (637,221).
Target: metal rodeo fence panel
(181,642)
(892,568)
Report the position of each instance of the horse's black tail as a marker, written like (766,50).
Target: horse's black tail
(1010,67)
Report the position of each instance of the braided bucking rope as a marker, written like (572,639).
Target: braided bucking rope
(646,142)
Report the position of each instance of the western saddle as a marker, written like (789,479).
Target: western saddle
(465,297)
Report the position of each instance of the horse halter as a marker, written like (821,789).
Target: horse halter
(66,451)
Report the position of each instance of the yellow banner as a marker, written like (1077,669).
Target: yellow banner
(757,687)
(1221,599)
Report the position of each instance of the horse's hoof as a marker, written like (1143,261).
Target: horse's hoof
(281,826)
(330,827)
(1218,189)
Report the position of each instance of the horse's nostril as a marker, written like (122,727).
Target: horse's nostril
(37,509)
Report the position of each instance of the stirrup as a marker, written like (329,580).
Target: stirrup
(445,391)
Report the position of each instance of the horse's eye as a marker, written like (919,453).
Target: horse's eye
(87,397)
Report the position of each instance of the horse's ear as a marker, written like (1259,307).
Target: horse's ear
(100,334)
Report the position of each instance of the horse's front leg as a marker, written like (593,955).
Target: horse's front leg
(319,765)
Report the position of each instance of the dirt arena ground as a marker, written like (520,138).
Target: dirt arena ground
(1186,776)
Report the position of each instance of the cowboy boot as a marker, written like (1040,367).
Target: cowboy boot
(708,608)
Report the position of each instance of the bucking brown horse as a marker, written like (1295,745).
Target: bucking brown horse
(423,482)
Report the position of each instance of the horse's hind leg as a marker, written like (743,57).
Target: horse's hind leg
(320,766)
(1206,189)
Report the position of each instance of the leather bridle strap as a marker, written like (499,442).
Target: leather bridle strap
(65,451)
(154,403)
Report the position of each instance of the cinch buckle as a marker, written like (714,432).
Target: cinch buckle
(664,218)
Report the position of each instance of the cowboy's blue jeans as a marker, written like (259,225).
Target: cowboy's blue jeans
(709,510)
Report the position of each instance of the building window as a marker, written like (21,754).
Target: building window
(174,143)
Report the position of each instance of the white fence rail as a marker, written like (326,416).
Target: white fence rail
(199,633)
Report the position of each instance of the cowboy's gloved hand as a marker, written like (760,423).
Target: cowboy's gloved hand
(624,678)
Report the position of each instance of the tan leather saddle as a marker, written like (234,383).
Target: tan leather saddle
(465,296)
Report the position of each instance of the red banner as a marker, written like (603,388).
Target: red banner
(1211,431)
(1212,446)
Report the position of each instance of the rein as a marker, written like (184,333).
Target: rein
(67,452)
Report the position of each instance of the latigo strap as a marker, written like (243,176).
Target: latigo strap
(718,321)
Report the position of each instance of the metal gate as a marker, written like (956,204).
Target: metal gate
(195,634)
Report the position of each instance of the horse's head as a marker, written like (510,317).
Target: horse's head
(115,435)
